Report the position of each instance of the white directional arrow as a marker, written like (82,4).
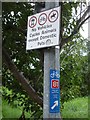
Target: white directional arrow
(55,104)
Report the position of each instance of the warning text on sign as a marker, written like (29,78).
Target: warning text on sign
(43,29)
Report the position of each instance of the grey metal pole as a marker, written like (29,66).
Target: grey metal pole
(0,58)
(51,61)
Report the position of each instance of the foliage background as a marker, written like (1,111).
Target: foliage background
(74,64)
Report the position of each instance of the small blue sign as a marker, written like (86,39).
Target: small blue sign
(54,91)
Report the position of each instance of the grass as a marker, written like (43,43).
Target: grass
(76,108)
(0,107)
(9,111)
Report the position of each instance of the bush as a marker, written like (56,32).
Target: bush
(76,108)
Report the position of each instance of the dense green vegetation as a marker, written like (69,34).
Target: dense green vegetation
(23,70)
(76,108)
(0,107)
(11,111)
(74,69)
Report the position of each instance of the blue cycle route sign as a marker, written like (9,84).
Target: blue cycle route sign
(54,91)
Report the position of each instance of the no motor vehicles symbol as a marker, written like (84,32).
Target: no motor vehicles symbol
(32,21)
(42,19)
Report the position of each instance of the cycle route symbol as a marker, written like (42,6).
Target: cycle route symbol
(55,74)
(54,91)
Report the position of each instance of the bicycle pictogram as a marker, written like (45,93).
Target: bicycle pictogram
(55,74)
(42,19)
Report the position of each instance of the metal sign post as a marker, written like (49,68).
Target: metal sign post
(51,98)
(43,32)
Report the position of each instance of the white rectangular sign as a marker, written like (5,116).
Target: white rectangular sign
(43,29)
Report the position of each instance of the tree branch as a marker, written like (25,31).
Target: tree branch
(83,22)
(21,79)
(84,15)
(79,23)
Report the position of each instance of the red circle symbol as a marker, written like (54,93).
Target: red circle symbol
(42,19)
(53,16)
(32,21)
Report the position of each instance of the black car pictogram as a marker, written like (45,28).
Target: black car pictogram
(32,22)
